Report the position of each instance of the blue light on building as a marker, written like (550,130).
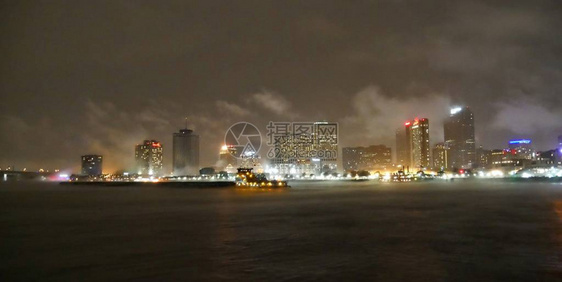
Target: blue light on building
(519,141)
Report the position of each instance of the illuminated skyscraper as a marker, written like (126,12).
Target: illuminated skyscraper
(440,156)
(148,157)
(92,164)
(186,153)
(419,143)
(459,136)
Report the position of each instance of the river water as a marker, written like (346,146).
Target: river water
(338,231)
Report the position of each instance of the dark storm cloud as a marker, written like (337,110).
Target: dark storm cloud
(98,77)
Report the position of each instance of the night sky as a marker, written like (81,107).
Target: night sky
(79,77)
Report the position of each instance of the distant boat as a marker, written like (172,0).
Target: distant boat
(246,178)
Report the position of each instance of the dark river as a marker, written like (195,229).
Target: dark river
(433,231)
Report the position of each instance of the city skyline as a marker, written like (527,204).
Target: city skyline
(272,140)
(102,76)
(429,150)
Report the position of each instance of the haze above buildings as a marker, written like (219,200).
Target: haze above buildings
(101,77)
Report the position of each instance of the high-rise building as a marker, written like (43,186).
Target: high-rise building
(440,156)
(186,153)
(521,149)
(403,146)
(497,158)
(148,158)
(483,157)
(325,143)
(419,143)
(227,157)
(351,158)
(547,158)
(374,157)
(377,157)
(310,151)
(459,136)
(92,165)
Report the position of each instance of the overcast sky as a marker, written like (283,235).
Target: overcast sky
(80,77)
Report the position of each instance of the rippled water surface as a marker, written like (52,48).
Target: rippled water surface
(460,231)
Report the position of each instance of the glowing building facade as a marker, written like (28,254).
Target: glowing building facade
(92,165)
(227,159)
(148,158)
(419,143)
(522,149)
(313,151)
(459,136)
(375,157)
(440,156)
(185,153)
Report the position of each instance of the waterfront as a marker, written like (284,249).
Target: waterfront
(431,231)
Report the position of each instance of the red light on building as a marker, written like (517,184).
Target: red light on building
(407,123)
(156,145)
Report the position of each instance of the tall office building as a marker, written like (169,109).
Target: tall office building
(310,151)
(148,157)
(419,143)
(374,157)
(186,153)
(92,164)
(440,156)
(459,136)
(403,146)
